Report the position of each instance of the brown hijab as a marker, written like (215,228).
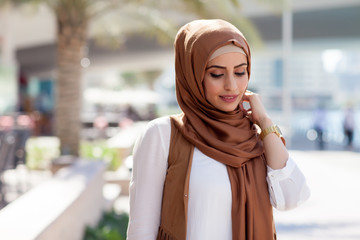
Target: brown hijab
(228,137)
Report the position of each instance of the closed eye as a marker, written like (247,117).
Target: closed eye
(216,75)
(240,73)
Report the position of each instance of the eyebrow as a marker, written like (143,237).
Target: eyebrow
(222,67)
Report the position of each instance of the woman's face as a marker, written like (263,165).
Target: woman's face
(226,80)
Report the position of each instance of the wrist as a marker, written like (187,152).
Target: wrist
(265,122)
(272,129)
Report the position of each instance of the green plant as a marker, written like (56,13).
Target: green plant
(100,150)
(40,151)
(112,226)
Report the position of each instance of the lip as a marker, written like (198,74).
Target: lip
(229,98)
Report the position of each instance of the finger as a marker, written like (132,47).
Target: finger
(246,104)
(243,109)
(247,95)
(249,116)
(242,106)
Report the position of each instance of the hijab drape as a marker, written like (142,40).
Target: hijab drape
(228,137)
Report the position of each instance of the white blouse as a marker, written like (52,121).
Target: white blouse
(209,206)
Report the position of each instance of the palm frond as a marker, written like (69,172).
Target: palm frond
(17,3)
(274,4)
(113,27)
(232,11)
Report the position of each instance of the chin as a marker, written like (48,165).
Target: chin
(229,108)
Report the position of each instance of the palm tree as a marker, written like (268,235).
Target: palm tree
(73,19)
(72,22)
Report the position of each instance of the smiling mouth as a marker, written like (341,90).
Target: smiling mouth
(229,98)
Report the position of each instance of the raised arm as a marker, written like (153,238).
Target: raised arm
(275,151)
(287,184)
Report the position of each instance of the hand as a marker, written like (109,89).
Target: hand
(256,113)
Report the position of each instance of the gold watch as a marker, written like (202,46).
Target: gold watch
(272,129)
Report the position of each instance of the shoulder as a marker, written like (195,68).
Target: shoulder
(159,125)
(154,141)
(156,134)
(160,122)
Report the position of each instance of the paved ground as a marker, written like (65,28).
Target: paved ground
(333,210)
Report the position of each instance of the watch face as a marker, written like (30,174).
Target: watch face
(278,129)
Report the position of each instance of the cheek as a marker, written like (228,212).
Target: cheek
(242,86)
(206,90)
(210,88)
(243,83)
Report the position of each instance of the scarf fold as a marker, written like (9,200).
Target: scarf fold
(228,137)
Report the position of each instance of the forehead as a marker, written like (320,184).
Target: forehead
(228,59)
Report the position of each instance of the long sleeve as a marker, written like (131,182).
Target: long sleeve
(287,186)
(146,187)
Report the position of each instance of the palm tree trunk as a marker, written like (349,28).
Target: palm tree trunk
(71,40)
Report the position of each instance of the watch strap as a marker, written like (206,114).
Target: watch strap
(272,129)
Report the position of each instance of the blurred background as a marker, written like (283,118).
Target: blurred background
(80,79)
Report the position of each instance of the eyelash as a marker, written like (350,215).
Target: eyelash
(220,75)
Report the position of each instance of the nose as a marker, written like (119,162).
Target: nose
(230,83)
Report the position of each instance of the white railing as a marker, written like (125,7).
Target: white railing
(60,208)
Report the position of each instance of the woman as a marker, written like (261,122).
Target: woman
(207,174)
